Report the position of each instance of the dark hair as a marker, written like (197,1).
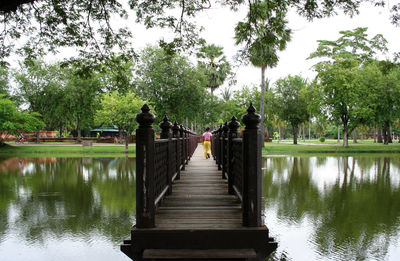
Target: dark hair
(207,129)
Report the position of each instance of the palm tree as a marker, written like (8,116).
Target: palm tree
(264,34)
(214,64)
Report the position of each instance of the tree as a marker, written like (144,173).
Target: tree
(120,110)
(42,87)
(82,98)
(383,81)
(264,34)
(172,84)
(291,102)
(12,121)
(3,80)
(342,94)
(214,65)
(87,25)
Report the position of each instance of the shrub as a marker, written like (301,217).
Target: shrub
(322,139)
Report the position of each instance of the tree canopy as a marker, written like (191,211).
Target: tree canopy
(88,25)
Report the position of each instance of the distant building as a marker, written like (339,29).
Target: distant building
(105,131)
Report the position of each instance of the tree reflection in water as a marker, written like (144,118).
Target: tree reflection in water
(350,205)
(44,199)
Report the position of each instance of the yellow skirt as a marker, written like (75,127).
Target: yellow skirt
(207,148)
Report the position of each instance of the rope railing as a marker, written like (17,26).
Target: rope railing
(158,163)
(239,158)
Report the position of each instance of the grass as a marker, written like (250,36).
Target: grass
(329,146)
(283,147)
(67,150)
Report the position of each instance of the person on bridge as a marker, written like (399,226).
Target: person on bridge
(207,143)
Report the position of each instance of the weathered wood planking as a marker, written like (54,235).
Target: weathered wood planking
(200,200)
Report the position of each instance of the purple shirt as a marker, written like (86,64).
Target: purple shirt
(207,135)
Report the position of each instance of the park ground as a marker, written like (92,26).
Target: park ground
(285,147)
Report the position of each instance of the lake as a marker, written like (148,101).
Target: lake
(317,208)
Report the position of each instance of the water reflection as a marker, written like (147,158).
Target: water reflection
(46,201)
(333,208)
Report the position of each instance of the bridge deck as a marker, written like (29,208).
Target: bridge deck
(200,199)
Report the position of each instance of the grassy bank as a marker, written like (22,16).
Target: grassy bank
(366,147)
(68,150)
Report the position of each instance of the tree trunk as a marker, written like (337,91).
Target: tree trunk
(345,136)
(309,130)
(386,133)
(390,134)
(121,135)
(263,67)
(295,130)
(38,136)
(78,126)
(380,136)
(375,134)
(126,142)
(354,136)
(338,133)
(304,133)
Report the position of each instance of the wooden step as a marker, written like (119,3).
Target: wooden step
(199,253)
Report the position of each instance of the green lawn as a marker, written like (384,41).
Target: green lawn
(283,147)
(329,146)
(67,150)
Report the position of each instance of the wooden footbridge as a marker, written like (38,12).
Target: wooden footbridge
(192,208)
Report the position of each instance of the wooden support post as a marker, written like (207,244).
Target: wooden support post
(166,126)
(175,133)
(219,155)
(252,175)
(224,149)
(145,208)
(232,134)
(182,135)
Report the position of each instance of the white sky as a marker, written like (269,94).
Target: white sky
(219,26)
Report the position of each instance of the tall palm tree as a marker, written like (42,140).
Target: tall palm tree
(214,64)
(264,34)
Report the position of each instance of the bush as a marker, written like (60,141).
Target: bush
(322,139)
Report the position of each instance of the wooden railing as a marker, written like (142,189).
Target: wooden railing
(158,163)
(239,158)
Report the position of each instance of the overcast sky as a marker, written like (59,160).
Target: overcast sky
(219,26)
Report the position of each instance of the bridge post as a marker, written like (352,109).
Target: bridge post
(145,150)
(175,133)
(186,131)
(232,134)
(219,150)
(182,135)
(252,175)
(224,149)
(165,126)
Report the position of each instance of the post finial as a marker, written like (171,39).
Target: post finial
(233,124)
(165,126)
(251,119)
(146,118)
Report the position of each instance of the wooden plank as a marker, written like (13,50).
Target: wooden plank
(199,253)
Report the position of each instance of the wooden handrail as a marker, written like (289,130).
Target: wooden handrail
(158,163)
(240,161)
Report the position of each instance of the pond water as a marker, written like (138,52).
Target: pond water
(317,208)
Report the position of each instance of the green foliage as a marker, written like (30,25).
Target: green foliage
(12,121)
(120,110)
(342,84)
(291,104)
(172,85)
(47,25)
(264,33)
(322,139)
(214,65)
(4,79)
